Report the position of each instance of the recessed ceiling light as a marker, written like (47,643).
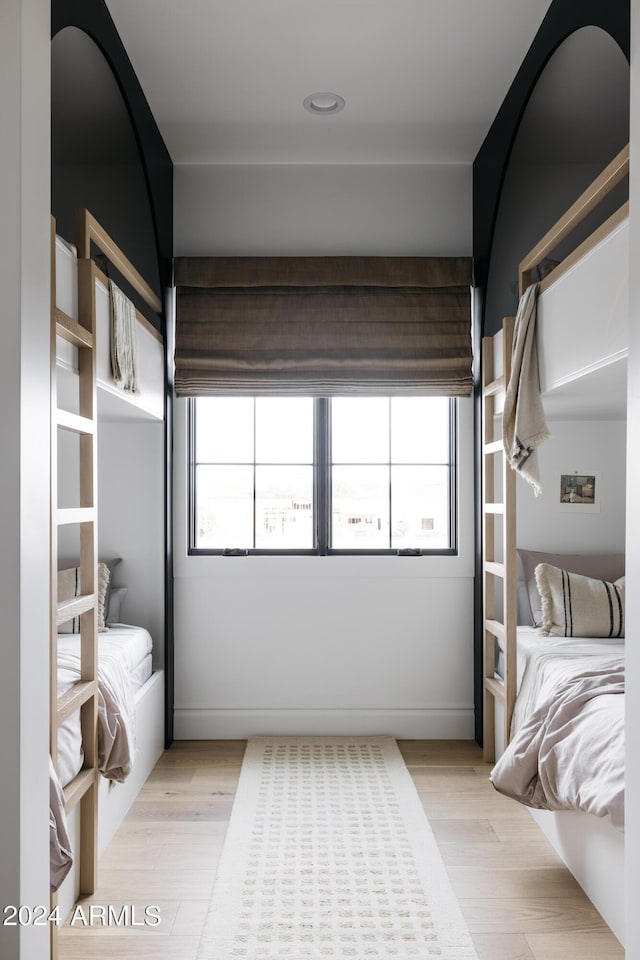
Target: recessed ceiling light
(323,103)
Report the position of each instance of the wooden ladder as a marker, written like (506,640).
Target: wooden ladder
(498,634)
(83,696)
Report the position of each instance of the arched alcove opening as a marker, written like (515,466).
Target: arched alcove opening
(95,160)
(576,120)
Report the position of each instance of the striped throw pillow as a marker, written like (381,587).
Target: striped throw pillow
(577,606)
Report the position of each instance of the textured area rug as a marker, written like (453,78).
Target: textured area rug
(329,855)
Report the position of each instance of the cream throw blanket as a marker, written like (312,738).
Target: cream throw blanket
(524,426)
(124,346)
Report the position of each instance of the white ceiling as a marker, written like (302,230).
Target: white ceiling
(422,79)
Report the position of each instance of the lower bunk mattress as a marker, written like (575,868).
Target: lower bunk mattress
(567,735)
(124,665)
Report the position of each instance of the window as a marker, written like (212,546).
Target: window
(346,475)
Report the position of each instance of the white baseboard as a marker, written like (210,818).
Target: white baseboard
(426,724)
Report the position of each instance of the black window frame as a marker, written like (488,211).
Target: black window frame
(322,496)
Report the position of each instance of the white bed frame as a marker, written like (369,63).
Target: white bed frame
(582,317)
(81,370)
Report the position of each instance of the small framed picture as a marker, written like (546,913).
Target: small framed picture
(578,492)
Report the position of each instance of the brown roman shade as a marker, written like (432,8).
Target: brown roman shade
(323,326)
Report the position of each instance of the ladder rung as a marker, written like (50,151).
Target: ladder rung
(71,421)
(71,330)
(495,628)
(73,699)
(495,688)
(495,569)
(75,607)
(75,515)
(495,386)
(495,446)
(76,788)
(494,508)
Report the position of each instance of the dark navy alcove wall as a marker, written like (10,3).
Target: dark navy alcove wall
(563,18)
(94,19)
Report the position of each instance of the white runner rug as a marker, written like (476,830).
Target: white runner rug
(329,856)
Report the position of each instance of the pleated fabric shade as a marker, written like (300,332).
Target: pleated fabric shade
(323,326)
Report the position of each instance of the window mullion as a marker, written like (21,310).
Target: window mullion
(322,468)
(255,414)
(390,475)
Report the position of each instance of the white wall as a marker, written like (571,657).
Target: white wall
(311,210)
(324,645)
(24,466)
(581,446)
(310,644)
(632,805)
(130,519)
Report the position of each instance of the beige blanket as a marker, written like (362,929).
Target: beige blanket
(569,752)
(524,426)
(60,856)
(116,711)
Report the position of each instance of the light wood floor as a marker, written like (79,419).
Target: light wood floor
(519,901)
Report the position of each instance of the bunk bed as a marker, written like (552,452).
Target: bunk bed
(581,335)
(107,682)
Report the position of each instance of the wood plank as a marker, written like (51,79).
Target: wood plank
(74,698)
(70,609)
(70,330)
(531,915)
(495,508)
(463,808)
(598,235)
(500,946)
(493,387)
(588,200)
(514,882)
(77,788)
(74,423)
(495,687)
(164,882)
(68,515)
(131,912)
(464,831)
(493,447)
(89,231)
(94,945)
(510,558)
(596,945)
(495,569)
(495,628)
(502,855)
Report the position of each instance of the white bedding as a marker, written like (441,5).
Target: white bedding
(567,746)
(540,660)
(124,665)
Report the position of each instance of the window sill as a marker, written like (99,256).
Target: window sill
(330,567)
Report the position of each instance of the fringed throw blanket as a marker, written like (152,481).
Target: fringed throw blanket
(124,347)
(524,426)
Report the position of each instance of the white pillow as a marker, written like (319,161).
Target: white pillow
(578,606)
